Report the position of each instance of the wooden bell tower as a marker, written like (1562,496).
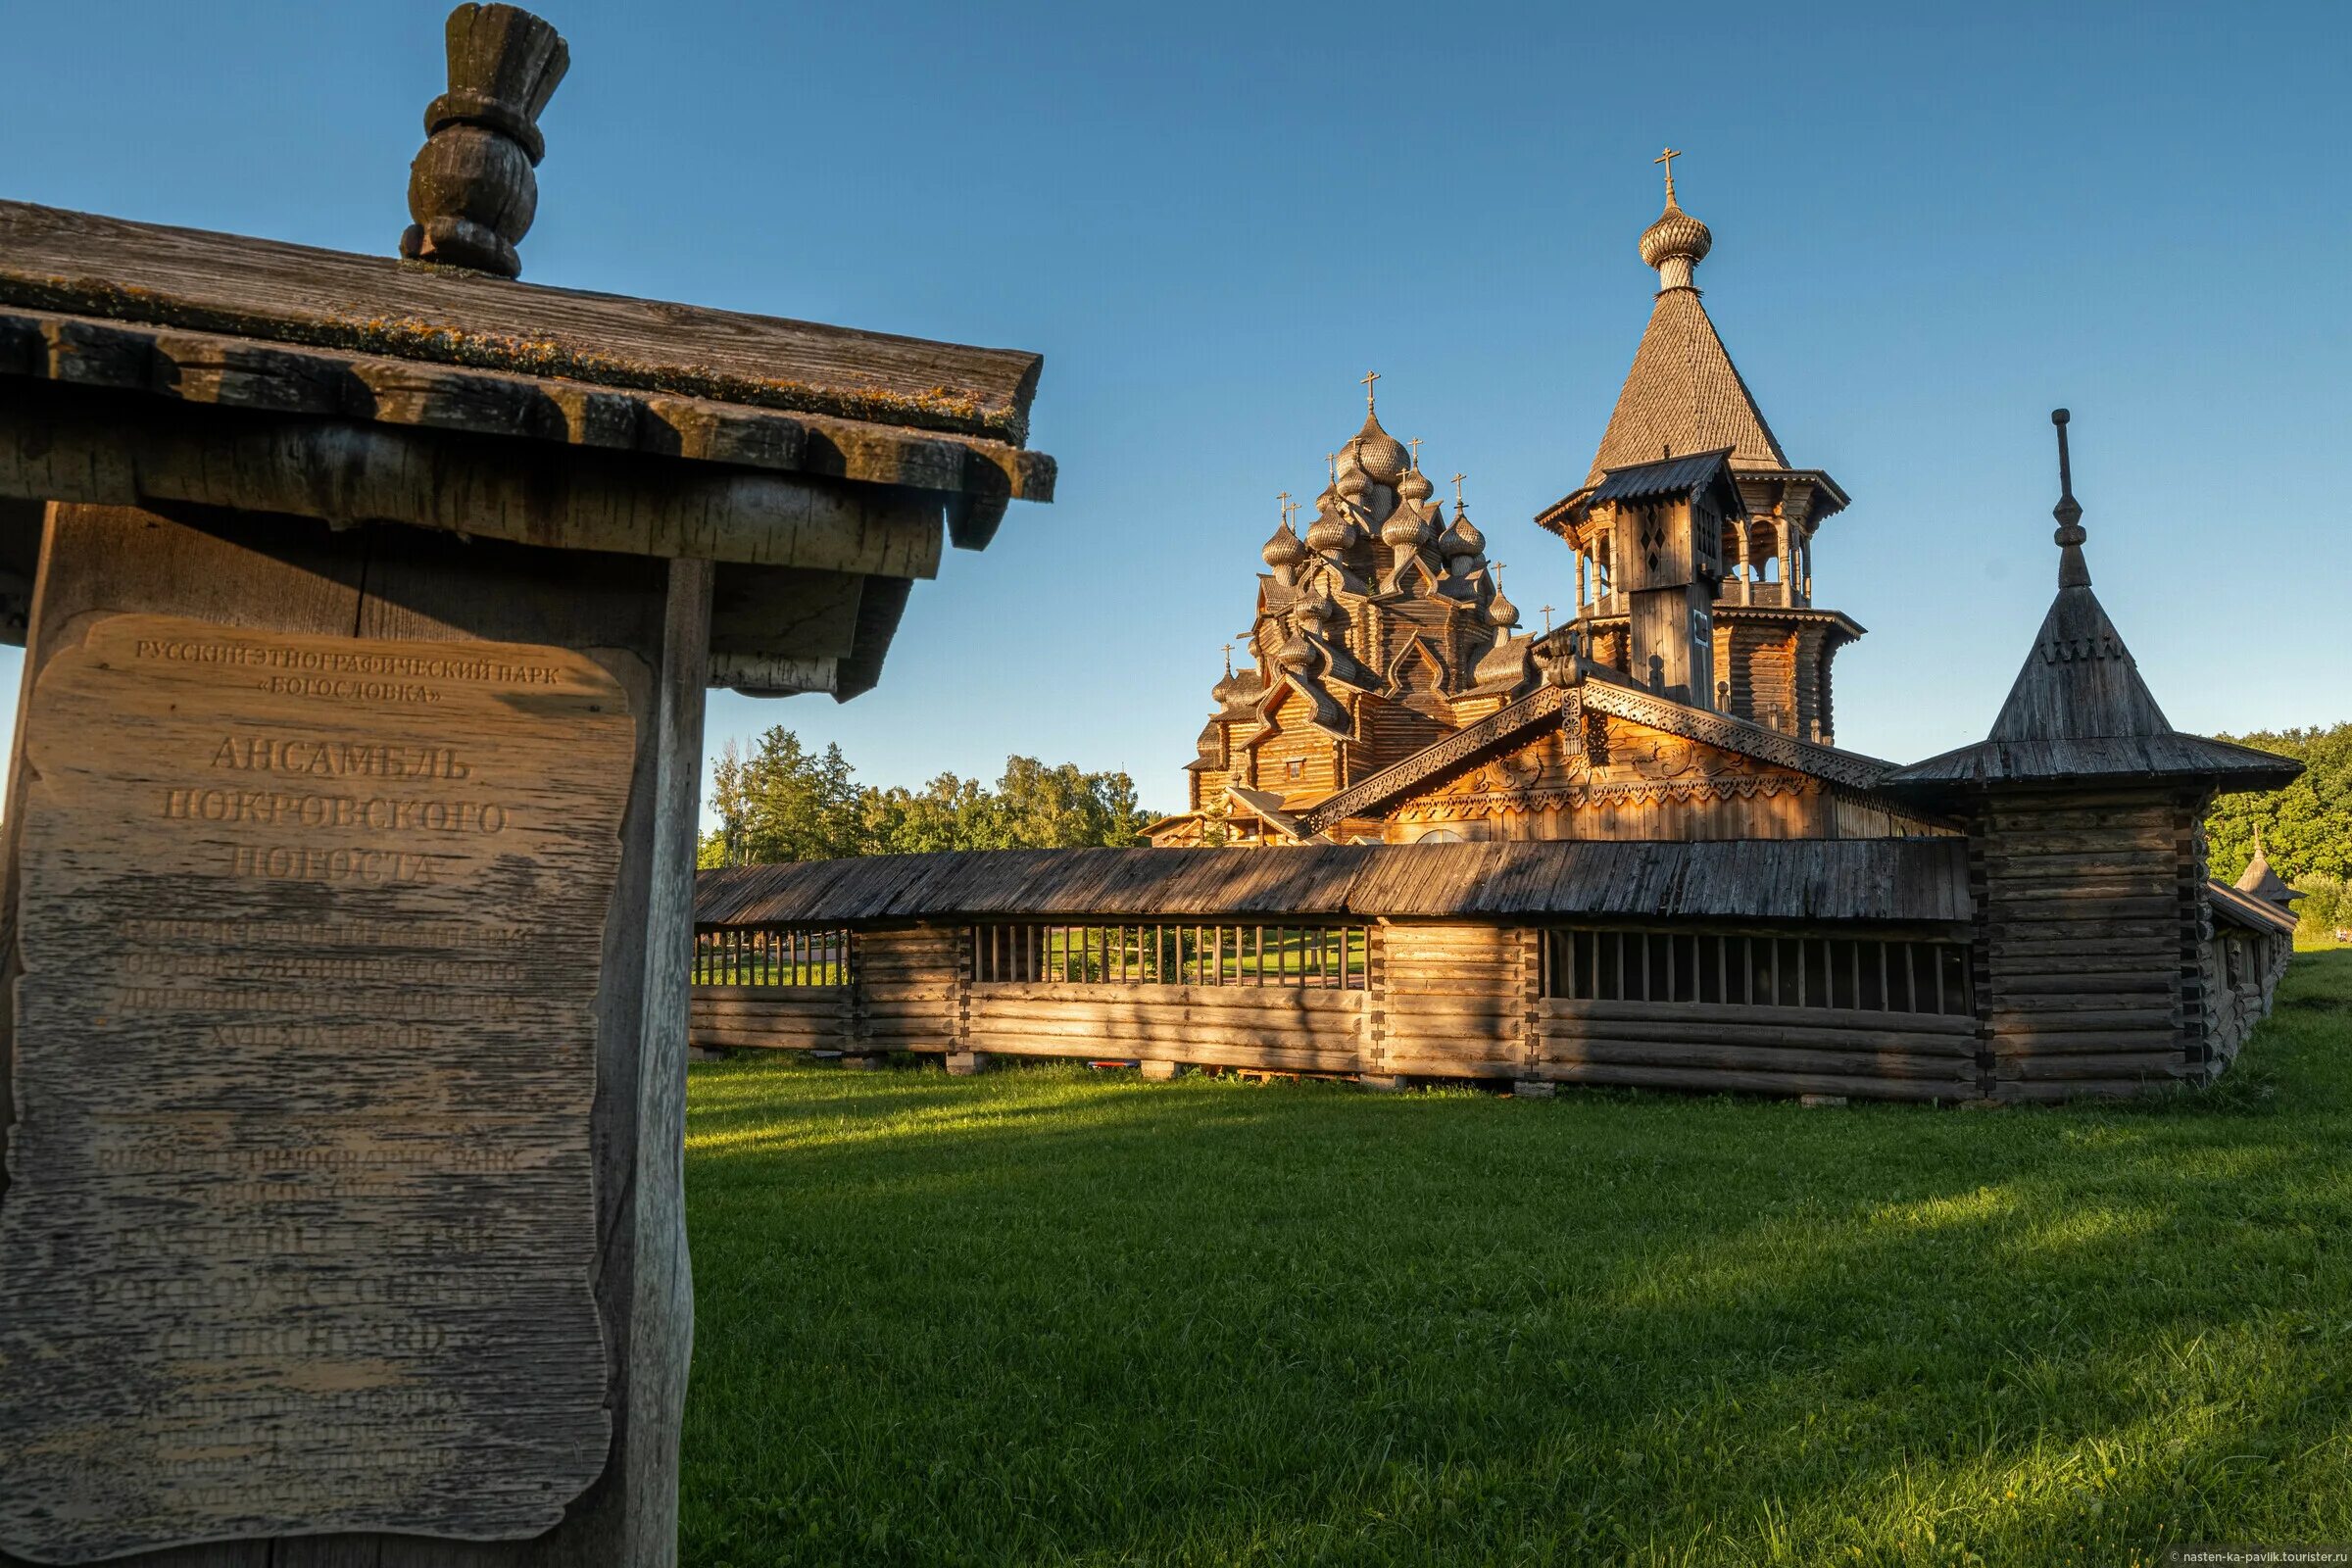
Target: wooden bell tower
(1661,525)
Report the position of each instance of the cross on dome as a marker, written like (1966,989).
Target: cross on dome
(1370,377)
(1677,243)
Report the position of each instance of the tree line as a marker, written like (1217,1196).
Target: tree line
(780,800)
(2306,827)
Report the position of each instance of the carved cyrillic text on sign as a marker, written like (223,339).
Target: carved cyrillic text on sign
(300,1234)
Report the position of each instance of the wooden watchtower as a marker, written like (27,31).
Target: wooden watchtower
(369,606)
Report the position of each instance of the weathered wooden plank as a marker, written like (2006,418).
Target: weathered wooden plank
(2024,1040)
(1904,1041)
(256,572)
(985,1028)
(2086,984)
(1771,1059)
(2046,1065)
(201,368)
(79,262)
(1725,1080)
(1794,1020)
(56,445)
(1242,998)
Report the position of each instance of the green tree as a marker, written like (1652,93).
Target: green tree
(1041,808)
(2324,908)
(2307,826)
(900,821)
(783,802)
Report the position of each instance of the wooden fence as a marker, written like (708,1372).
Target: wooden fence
(1881,1015)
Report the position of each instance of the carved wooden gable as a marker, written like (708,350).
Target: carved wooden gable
(1597,761)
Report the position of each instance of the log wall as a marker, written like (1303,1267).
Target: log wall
(1454,1001)
(2241,970)
(2091,924)
(1757,1050)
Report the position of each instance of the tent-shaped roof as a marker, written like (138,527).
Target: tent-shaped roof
(2262,882)
(1683,395)
(2079,709)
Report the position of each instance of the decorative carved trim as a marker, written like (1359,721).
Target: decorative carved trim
(1735,735)
(1389,782)
(1642,792)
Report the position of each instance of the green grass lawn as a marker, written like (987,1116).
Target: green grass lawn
(1052,1316)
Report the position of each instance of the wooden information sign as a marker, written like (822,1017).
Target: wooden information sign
(300,1234)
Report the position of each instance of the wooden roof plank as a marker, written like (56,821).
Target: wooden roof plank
(82,264)
(1885,880)
(225,372)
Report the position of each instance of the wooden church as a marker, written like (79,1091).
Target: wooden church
(1389,698)
(1423,842)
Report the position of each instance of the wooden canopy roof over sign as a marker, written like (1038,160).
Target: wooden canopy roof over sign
(142,363)
(1900,881)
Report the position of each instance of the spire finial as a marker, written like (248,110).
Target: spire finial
(1331,464)
(1547,620)
(1457,490)
(1229,660)
(1282,499)
(1370,377)
(1667,158)
(2072,571)
(1415,443)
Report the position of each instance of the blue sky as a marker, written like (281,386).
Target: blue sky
(1930,225)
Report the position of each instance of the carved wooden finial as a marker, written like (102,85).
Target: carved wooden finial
(471,190)
(1370,377)
(2072,571)
(1667,158)
(1457,490)
(1547,621)
(1415,443)
(1229,658)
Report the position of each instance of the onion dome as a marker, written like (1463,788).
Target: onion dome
(1332,531)
(1295,655)
(1351,481)
(1315,612)
(1501,611)
(1464,541)
(1379,454)
(1284,549)
(1406,528)
(1232,688)
(1414,485)
(1675,242)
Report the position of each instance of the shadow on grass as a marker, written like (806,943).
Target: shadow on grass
(1052,1316)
